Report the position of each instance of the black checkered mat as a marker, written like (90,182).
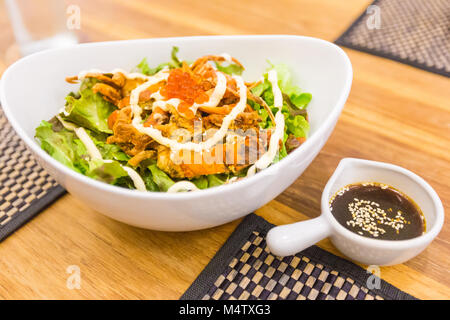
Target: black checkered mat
(25,188)
(415,32)
(244,269)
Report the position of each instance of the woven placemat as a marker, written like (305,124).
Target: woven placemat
(414,32)
(244,269)
(25,187)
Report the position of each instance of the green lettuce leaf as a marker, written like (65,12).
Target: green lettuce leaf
(90,110)
(144,68)
(176,63)
(161,179)
(67,148)
(285,79)
(261,87)
(64,146)
(111,151)
(231,68)
(301,100)
(268,97)
(108,172)
(107,150)
(148,180)
(298,98)
(200,182)
(298,126)
(125,182)
(283,151)
(214,180)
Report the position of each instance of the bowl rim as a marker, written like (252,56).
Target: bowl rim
(36,148)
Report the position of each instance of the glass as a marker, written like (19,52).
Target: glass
(42,24)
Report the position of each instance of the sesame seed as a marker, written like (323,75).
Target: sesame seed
(369,217)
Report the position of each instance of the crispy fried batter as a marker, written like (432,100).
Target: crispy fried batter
(127,136)
(72,79)
(244,120)
(130,85)
(224,110)
(166,164)
(119,79)
(109,93)
(141,156)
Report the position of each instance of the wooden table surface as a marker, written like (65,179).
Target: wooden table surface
(395,113)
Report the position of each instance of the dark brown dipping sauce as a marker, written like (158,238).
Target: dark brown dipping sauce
(377,211)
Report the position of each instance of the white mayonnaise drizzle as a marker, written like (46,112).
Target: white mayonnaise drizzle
(174,102)
(267,158)
(136,178)
(157,95)
(182,186)
(134,97)
(251,171)
(90,145)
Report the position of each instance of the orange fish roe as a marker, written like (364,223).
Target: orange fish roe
(183,108)
(183,86)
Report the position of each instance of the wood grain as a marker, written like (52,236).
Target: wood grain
(395,113)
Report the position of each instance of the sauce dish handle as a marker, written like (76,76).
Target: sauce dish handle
(292,238)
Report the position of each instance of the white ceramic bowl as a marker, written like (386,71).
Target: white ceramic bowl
(33,89)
